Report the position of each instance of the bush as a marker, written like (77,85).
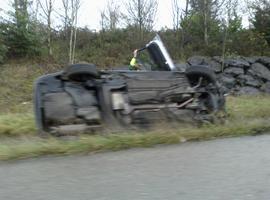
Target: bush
(3,47)
(22,41)
(3,51)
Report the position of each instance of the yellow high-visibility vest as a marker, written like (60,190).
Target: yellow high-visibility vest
(133,62)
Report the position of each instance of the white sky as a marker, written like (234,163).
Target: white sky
(89,14)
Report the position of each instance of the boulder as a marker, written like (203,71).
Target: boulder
(266,87)
(247,90)
(260,71)
(252,60)
(249,80)
(211,64)
(265,61)
(240,75)
(236,62)
(235,71)
(198,60)
(215,66)
(227,81)
(217,59)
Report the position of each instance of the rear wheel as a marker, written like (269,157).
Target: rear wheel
(195,73)
(39,111)
(212,99)
(80,72)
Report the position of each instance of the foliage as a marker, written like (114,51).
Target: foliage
(261,19)
(20,34)
(24,36)
(3,48)
(22,41)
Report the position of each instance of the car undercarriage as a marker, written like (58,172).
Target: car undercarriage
(82,99)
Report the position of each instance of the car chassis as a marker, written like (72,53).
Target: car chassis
(81,99)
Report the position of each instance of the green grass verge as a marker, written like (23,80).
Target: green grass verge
(29,147)
(17,124)
(247,116)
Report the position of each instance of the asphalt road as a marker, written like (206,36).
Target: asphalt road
(229,169)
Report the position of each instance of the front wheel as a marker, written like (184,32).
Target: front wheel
(195,73)
(204,81)
(39,111)
(80,72)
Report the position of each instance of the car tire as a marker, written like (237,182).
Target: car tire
(39,112)
(80,72)
(194,73)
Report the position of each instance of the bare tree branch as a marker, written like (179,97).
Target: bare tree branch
(47,11)
(141,14)
(110,16)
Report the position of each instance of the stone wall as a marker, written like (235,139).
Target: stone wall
(242,75)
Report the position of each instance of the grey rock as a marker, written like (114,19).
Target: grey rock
(235,71)
(215,66)
(242,75)
(236,62)
(252,60)
(247,90)
(260,70)
(266,87)
(227,81)
(217,59)
(249,80)
(198,60)
(265,61)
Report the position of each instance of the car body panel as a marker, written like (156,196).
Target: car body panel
(113,99)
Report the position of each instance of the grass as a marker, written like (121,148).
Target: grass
(246,107)
(19,140)
(17,124)
(16,85)
(29,147)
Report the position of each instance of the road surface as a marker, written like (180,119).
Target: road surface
(229,169)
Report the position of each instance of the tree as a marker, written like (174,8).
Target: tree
(261,20)
(66,16)
(176,14)
(70,19)
(75,5)
(110,16)
(141,14)
(179,15)
(3,47)
(19,33)
(207,11)
(47,8)
(232,24)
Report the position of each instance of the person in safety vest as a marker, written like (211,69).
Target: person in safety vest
(133,63)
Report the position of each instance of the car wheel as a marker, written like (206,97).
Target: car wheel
(202,77)
(39,112)
(80,72)
(194,73)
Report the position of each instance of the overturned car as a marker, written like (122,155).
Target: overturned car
(81,98)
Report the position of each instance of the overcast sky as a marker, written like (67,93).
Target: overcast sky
(89,14)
